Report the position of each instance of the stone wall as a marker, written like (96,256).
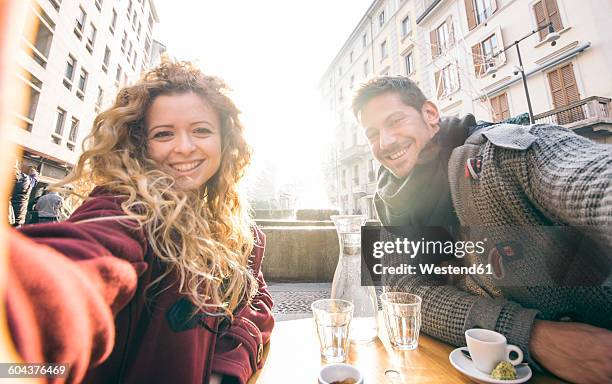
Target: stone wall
(300,253)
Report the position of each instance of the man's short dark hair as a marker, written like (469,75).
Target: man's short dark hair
(409,92)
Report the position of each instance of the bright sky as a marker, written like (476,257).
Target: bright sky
(273,54)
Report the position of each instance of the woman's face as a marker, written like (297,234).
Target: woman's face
(184,138)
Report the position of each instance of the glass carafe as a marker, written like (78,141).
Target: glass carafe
(347,279)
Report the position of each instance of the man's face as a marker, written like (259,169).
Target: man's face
(396,132)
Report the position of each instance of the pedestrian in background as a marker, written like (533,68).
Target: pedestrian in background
(49,207)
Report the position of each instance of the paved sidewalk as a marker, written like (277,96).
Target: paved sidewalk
(292,300)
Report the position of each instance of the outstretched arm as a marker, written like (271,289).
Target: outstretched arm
(67,281)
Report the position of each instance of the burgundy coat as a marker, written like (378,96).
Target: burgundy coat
(76,295)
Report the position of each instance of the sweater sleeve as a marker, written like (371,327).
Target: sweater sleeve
(238,353)
(447,312)
(569,177)
(67,281)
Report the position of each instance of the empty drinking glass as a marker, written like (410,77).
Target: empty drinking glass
(402,314)
(332,318)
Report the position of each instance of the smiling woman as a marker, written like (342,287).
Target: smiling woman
(156,277)
(184,138)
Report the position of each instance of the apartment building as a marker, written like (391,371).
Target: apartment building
(75,55)
(382,43)
(463,55)
(475,66)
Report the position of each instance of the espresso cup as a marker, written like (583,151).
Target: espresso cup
(338,372)
(487,348)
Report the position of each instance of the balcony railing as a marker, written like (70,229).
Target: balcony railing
(591,108)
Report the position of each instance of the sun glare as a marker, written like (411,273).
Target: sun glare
(273,55)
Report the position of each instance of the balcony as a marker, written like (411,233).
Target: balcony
(424,8)
(580,114)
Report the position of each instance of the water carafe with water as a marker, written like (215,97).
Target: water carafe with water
(347,279)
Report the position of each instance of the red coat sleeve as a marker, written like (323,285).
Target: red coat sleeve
(238,351)
(67,281)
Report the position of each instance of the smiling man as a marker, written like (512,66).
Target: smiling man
(446,171)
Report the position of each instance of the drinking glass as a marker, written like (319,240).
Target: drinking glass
(402,314)
(332,318)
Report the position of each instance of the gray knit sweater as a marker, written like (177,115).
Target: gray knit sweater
(538,175)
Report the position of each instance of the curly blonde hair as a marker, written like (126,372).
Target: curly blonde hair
(203,236)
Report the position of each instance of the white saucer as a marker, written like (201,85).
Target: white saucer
(465,366)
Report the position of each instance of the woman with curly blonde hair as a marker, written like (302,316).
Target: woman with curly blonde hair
(156,276)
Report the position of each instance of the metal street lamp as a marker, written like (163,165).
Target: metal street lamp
(551,38)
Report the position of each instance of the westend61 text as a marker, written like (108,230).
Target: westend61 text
(432,269)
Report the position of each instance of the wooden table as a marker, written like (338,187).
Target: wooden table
(293,357)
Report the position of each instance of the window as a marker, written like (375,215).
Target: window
(406,26)
(107,53)
(366,68)
(74,130)
(91,39)
(351,56)
(118,74)
(409,63)
(69,73)
(478,11)
(99,99)
(59,125)
(364,40)
(352,81)
(150,22)
(442,37)
(482,54)
(447,81)
(124,42)
(41,45)
(99,4)
(134,20)
(383,50)
(381,19)
(564,91)
(147,45)
(547,11)
(113,23)
(356,174)
(34,86)
(139,30)
(499,105)
(80,23)
(372,170)
(82,84)
(56,4)
(343,178)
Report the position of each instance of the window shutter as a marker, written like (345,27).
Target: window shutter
(504,111)
(451,30)
(478,58)
(554,15)
(439,84)
(471,14)
(495,107)
(540,15)
(569,83)
(433,38)
(556,88)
